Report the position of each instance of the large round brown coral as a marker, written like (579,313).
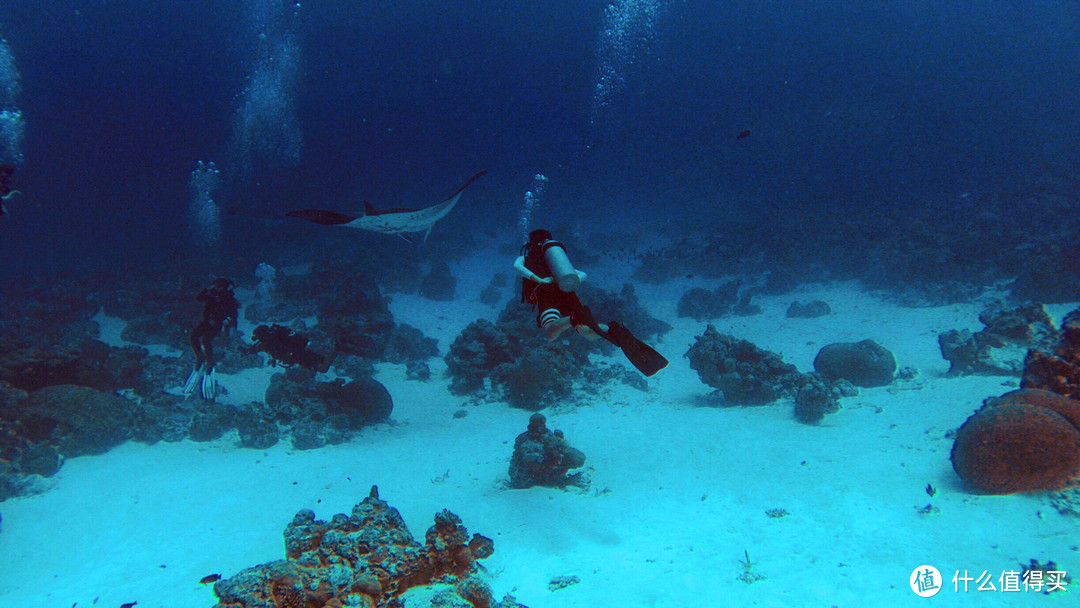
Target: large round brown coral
(1068,408)
(1016,448)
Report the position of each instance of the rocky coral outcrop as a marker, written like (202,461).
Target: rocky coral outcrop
(366,559)
(625,308)
(512,359)
(543,458)
(742,373)
(476,352)
(818,397)
(76,419)
(408,344)
(319,413)
(542,377)
(1002,345)
(809,310)
(704,304)
(1057,368)
(83,362)
(865,363)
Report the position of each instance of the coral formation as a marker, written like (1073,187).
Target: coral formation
(541,378)
(866,363)
(1066,407)
(742,373)
(1057,368)
(367,558)
(543,457)
(704,304)
(1028,439)
(323,412)
(76,419)
(625,308)
(810,310)
(1000,347)
(1016,447)
(479,349)
(352,307)
(89,363)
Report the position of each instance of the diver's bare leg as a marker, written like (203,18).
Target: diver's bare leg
(556,328)
(588,333)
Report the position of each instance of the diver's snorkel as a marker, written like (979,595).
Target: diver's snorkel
(565,275)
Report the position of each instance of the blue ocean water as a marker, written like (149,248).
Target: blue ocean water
(875,111)
(926,149)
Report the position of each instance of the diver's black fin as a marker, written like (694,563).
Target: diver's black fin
(641,355)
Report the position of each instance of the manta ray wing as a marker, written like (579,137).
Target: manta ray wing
(389,221)
(321,216)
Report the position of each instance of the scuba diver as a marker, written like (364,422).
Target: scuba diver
(288,348)
(219,312)
(549,283)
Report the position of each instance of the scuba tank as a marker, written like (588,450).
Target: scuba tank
(560,266)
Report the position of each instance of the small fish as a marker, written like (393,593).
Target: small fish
(742,134)
(930,490)
(212,578)
(128,605)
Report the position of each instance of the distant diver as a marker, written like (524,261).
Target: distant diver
(549,283)
(7,173)
(387,221)
(288,348)
(219,312)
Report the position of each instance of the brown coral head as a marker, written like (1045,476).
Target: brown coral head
(1068,408)
(1016,448)
(537,423)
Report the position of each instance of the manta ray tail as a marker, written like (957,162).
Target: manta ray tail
(321,216)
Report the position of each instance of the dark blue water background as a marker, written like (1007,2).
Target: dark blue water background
(876,110)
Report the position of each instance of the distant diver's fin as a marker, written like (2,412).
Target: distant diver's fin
(209,386)
(641,355)
(321,216)
(195,379)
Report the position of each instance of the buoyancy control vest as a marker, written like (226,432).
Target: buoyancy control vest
(537,263)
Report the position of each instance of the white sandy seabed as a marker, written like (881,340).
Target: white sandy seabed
(678,497)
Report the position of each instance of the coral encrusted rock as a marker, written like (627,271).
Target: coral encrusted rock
(999,348)
(365,559)
(1057,368)
(742,373)
(543,457)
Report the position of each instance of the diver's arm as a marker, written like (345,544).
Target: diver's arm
(519,266)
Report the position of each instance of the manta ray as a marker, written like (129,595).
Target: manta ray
(398,221)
